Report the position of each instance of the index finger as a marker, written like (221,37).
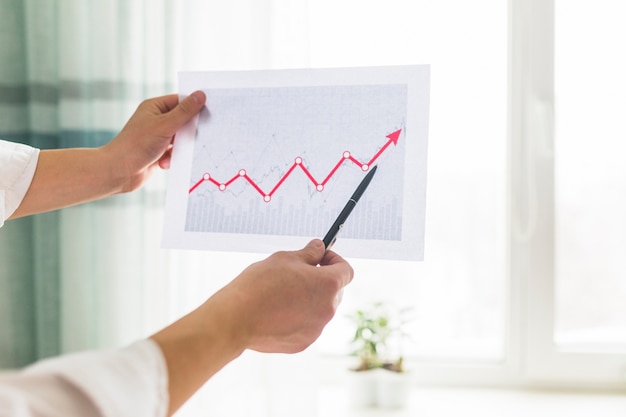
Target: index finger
(167,102)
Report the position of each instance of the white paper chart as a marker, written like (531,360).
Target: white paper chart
(274,156)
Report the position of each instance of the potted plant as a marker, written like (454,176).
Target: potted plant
(379,379)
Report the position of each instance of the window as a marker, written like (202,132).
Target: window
(523,280)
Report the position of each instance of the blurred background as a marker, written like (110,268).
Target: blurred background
(524,278)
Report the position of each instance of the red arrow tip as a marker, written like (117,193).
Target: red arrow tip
(394,136)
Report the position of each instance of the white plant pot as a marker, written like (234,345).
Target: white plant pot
(378,388)
(362,388)
(392,389)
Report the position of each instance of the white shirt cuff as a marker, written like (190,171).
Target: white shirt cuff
(128,382)
(18,164)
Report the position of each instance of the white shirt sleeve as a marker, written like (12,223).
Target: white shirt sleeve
(128,382)
(17,168)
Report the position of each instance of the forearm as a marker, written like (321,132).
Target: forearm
(195,348)
(66,177)
(279,305)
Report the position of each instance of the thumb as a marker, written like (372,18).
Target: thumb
(186,109)
(313,252)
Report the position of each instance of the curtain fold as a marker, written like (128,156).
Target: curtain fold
(71,74)
(29,279)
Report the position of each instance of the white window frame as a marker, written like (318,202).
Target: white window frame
(532,260)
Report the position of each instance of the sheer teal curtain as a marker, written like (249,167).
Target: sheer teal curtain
(71,73)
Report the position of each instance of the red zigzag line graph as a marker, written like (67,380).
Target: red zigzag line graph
(319,186)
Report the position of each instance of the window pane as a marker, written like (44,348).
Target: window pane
(458,293)
(590,173)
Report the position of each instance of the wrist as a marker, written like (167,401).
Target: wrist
(195,348)
(219,327)
(115,167)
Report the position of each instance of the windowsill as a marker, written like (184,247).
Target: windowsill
(484,402)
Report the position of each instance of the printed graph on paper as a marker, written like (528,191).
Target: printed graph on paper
(275,155)
(290,165)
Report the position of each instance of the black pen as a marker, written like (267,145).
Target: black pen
(331,236)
